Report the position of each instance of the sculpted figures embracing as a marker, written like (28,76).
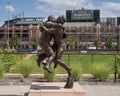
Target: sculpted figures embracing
(53,30)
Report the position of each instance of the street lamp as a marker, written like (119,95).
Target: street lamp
(8,4)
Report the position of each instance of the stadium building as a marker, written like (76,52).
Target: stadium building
(86,24)
(81,26)
(27,28)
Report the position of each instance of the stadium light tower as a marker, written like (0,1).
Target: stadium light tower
(8,4)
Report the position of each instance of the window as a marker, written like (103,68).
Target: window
(104,30)
(91,30)
(114,30)
(73,30)
(82,30)
(114,38)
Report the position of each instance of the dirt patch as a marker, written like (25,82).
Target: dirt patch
(28,56)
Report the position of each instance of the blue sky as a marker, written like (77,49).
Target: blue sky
(44,8)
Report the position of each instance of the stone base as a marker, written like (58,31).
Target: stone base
(55,89)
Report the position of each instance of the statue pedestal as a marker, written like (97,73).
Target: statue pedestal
(55,89)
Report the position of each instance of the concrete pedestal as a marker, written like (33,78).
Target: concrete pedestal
(55,89)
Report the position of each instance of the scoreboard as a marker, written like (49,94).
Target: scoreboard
(82,15)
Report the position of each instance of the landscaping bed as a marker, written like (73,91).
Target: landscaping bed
(86,79)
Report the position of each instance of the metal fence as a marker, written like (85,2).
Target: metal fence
(84,60)
(87,60)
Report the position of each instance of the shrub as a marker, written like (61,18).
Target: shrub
(49,76)
(118,65)
(26,69)
(76,72)
(0,50)
(9,60)
(100,71)
(1,70)
(118,72)
(117,61)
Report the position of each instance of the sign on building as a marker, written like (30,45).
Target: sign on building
(82,14)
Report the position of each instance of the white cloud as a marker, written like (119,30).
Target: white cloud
(110,9)
(10,8)
(57,7)
(60,6)
(111,6)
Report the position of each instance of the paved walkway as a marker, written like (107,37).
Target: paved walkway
(101,90)
(13,90)
(91,90)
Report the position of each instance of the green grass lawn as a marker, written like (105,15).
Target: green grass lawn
(84,62)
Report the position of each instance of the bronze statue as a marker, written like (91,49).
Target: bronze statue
(57,33)
(44,43)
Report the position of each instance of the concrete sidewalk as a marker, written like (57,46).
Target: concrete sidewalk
(14,90)
(102,90)
(91,90)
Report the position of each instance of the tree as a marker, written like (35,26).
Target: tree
(97,41)
(72,40)
(14,40)
(2,42)
(108,42)
(34,41)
